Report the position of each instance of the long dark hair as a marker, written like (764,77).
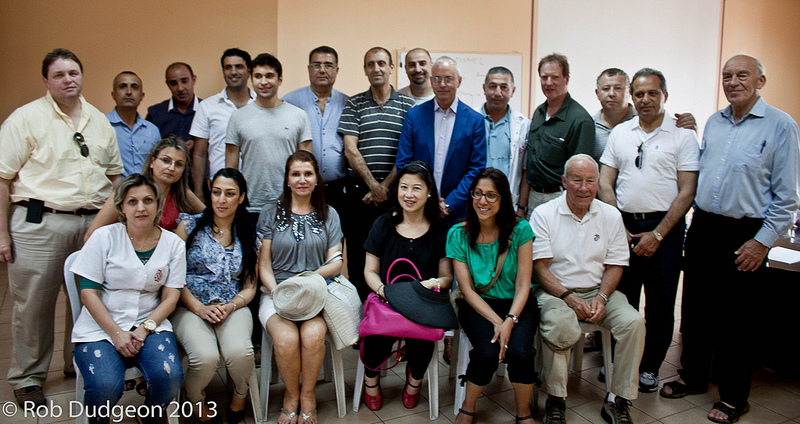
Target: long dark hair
(242,228)
(317,196)
(432,211)
(179,188)
(506,219)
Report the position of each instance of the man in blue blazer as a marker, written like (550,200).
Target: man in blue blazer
(447,135)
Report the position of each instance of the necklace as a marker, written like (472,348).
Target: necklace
(139,247)
(216,230)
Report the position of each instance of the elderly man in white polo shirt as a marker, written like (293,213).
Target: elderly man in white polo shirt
(578,255)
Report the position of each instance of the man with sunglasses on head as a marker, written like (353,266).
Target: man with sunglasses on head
(649,172)
(57,166)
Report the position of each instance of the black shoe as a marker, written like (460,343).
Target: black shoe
(30,394)
(555,411)
(617,412)
(235,417)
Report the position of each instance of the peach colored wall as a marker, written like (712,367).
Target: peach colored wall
(139,35)
(353,26)
(768,30)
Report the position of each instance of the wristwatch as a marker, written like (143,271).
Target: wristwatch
(150,325)
(522,208)
(513,318)
(658,235)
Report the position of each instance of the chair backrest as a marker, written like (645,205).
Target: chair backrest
(72,286)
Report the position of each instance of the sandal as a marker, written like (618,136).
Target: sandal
(518,419)
(732,413)
(291,416)
(305,416)
(679,390)
(467,413)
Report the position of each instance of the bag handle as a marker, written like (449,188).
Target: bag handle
(500,262)
(389,271)
(336,256)
(378,368)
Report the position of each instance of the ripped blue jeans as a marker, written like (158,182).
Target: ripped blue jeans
(103,371)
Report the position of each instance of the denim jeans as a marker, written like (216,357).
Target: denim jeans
(103,371)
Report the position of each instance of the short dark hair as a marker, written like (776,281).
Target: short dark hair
(646,72)
(59,54)
(175,65)
(266,59)
(113,83)
(419,49)
(502,70)
(238,53)
(324,49)
(610,72)
(557,58)
(378,49)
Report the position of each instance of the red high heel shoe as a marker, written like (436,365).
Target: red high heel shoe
(374,403)
(410,401)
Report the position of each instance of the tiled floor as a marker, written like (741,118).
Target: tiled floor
(774,399)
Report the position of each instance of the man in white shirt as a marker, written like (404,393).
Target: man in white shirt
(650,174)
(578,255)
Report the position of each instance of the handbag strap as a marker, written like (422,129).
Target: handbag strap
(398,351)
(500,262)
(389,271)
(336,256)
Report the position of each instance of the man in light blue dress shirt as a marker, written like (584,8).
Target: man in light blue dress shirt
(746,192)
(324,106)
(135,135)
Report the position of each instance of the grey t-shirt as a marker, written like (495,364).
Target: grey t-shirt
(266,138)
(300,244)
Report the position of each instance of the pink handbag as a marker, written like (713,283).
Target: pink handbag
(381,319)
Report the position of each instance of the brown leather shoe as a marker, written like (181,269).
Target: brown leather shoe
(30,394)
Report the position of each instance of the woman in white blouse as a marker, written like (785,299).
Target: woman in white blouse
(131,275)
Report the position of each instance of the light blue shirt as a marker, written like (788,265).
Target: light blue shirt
(443,123)
(751,168)
(134,144)
(326,141)
(498,141)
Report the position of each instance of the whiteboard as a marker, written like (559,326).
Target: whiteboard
(473,68)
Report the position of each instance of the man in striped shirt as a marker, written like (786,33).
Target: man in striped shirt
(370,125)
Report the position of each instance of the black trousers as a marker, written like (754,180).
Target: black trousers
(378,348)
(659,274)
(357,218)
(483,358)
(720,306)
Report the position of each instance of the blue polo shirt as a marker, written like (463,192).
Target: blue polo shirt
(134,144)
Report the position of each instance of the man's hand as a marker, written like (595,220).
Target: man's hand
(598,309)
(581,307)
(686,120)
(522,214)
(750,255)
(647,245)
(443,207)
(377,195)
(5,248)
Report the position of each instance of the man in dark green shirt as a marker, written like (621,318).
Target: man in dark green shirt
(560,128)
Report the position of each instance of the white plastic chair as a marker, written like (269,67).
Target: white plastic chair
(75,305)
(433,384)
(333,365)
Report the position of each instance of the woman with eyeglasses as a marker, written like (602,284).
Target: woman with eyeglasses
(167,164)
(491,252)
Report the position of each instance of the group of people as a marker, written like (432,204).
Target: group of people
(517,213)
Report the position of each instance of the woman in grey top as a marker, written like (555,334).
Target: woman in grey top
(298,234)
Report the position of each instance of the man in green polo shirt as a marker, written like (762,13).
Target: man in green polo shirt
(560,128)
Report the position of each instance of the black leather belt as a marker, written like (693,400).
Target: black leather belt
(81,211)
(644,216)
(547,190)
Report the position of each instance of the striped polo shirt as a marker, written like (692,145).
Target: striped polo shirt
(377,128)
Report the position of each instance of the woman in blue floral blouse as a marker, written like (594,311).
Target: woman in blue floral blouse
(221,257)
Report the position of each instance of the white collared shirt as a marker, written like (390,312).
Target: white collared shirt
(443,123)
(211,122)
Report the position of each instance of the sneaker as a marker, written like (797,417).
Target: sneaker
(617,412)
(555,411)
(30,394)
(648,382)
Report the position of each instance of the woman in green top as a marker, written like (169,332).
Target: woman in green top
(497,313)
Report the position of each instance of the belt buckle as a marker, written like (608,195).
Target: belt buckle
(639,216)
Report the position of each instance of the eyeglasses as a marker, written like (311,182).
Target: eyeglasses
(639,157)
(319,65)
(169,162)
(78,137)
(490,197)
(447,80)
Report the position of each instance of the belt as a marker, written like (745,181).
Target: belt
(547,190)
(644,216)
(80,212)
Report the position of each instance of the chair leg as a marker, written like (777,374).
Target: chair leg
(461,368)
(577,353)
(255,397)
(266,373)
(358,386)
(79,392)
(433,384)
(608,358)
(338,376)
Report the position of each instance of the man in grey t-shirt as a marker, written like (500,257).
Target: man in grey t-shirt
(265,132)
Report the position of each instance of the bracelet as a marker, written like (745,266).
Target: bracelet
(605,298)
(438,286)
(565,294)
(240,295)
(234,304)
(116,334)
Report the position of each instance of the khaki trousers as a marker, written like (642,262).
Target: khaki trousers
(536,198)
(203,343)
(625,324)
(34,280)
